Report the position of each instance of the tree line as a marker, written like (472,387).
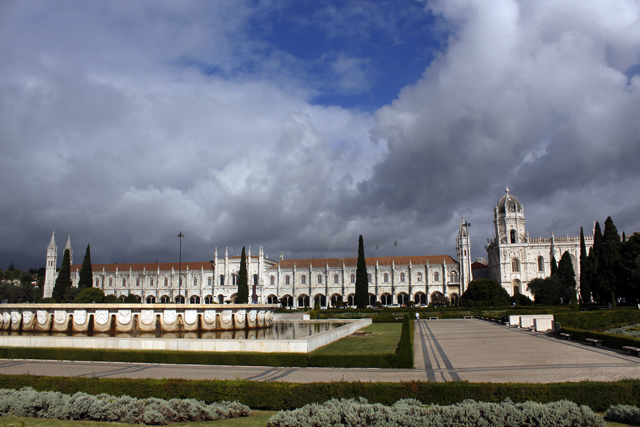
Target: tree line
(610,272)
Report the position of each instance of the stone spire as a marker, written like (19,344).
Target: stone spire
(51,267)
(70,250)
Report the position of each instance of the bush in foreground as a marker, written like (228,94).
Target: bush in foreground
(624,414)
(410,412)
(27,402)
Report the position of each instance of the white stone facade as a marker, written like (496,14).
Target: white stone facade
(299,283)
(515,259)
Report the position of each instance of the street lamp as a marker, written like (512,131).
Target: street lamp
(180,266)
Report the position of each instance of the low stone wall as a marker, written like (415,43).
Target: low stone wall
(250,343)
(103,318)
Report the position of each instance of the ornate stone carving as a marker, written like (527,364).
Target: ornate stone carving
(226,316)
(209,316)
(102,317)
(124,317)
(169,317)
(60,317)
(241,316)
(27,317)
(261,316)
(79,317)
(6,317)
(252,316)
(16,317)
(42,316)
(146,316)
(190,316)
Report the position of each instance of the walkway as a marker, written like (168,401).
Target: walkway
(445,350)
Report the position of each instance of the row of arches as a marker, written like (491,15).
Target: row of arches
(180,299)
(453,277)
(386,299)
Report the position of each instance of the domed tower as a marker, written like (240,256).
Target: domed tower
(509,220)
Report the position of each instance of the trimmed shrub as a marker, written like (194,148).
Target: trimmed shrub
(410,412)
(599,396)
(624,414)
(27,402)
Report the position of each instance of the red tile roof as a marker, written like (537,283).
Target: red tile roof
(478,265)
(149,266)
(353,262)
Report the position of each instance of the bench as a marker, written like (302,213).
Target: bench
(467,317)
(433,318)
(567,337)
(593,341)
(632,350)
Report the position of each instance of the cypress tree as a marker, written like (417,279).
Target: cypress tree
(243,286)
(554,265)
(362,282)
(86,274)
(63,281)
(567,278)
(585,289)
(610,261)
(595,264)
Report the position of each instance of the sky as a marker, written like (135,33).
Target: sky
(299,125)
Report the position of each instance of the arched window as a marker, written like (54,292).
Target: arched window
(386,278)
(195,281)
(97,283)
(287,280)
(513,236)
(515,265)
(151,299)
(319,279)
(402,277)
(255,279)
(436,276)
(541,264)
(303,279)
(151,282)
(165,299)
(369,277)
(353,278)
(335,278)
(208,283)
(124,282)
(138,281)
(419,276)
(234,279)
(454,276)
(110,282)
(272,280)
(222,280)
(166,281)
(195,299)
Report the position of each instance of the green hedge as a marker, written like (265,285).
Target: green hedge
(608,340)
(146,356)
(591,320)
(278,395)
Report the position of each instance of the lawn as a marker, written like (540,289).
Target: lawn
(257,419)
(383,338)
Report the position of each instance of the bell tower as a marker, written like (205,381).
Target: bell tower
(463,247)
(509,220)
(52,263)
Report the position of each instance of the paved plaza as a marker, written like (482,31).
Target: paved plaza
(445,350)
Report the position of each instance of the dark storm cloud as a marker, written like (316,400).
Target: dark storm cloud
(123,124)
